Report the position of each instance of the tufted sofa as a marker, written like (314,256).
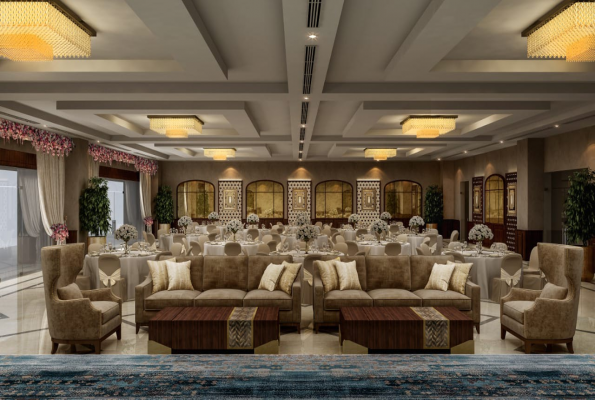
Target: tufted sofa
(397,281)
(222,281)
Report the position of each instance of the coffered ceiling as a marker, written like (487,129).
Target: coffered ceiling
(246,67)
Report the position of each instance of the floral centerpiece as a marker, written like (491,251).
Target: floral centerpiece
(479,233)
(234,226)
(126,233)
(213,217)
(353,219)
(306,233)
(184,221)
(416,222)
(59,233)
(379,227)
(302,219)
(148,223)
(252,219)
(385,216)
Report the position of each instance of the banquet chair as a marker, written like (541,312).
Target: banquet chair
(272,245)
(109,275)
(135,246)
(90,316)
(459,258)
(178,238)
(144,236)
(334,230)
(352,247)
(324,226)
(399,223)
(326,231)
(164,255)
(319,224)
(263,248)
(402,238)
(361,231)
(266,238)
(195,249)
(186,245)
(394,229)
(150,239)
(161,232)
(202,240)
(432,230)
(212,236)
(176,249)
(232,249)
(276,229)
(276,237)
(339,239)
(454,237)
(424,250)
(307,278)
(547,316)
(532,275)
(392,249)
(95,247)
(511,274)
(254,233)
(455,245)
(342,247)
(211,228)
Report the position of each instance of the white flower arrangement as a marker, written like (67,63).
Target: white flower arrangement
(213,216)
(185,221)
(353,219)
(385,216)
(302,219)
(234,226)
(416,221)
(480,232)
(252,219)
(126,233)
(379,227)
(306,233)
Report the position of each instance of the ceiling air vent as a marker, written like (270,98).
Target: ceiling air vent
(308,68)
(14,117)
(301,146)
(304,112)
(302,134)
(314,13)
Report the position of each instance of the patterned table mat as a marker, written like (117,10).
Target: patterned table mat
(240,328)
(436,328)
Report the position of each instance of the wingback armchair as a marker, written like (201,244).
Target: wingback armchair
(550,315)
(89,316)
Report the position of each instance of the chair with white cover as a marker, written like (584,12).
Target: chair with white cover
(202,239)
(195,249)
(267,238)
(144,236)
(432,230)
(186,245)
(511,274)
(392,249)
(333,237)
(150,239)
(109,275)
(232,249)
(276,237)
(326,231)
(454,237)
(402,238)
(399,223)
(211,228)
(459,258)
(95,247)
(455,245)
(212,236)
(339,239)
(276,229)
(394,229)
(424,250)
(272,245)
(135,246)
(319,224)
(164,255)
(361,231)
(352,248)
(161,232)
(178,238)
(176,249)
(264,249)
(432,242)
(333,231)
(253,233)
(532,276)
(342,247)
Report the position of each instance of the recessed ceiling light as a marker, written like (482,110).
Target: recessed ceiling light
(45,126)
(306,98)
(439,159)
(301,141)
(556,126)
(501,141)
(465,152)
(312,36)
(300,159)
(303,125)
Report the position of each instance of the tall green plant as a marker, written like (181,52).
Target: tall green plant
(164,205)
(94,213)
(434,205)
(580,207)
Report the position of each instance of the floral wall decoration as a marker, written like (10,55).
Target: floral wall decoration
(105,155)
(44,141)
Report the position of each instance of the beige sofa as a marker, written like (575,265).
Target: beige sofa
(222,281)
(397,281)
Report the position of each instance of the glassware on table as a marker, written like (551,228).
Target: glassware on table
(248,238)
(465,245)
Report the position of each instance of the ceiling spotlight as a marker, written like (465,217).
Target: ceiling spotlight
(301,141)
(306,98)
(312,36)
(439,159)
(465,151)
(501,141)
(303,125)
(300,159)
(555,126)
(98,141)
(45,126)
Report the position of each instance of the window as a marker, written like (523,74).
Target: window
(115,193)
(196,199)
(402,199)
(494,198)
(265,199)
(334,199)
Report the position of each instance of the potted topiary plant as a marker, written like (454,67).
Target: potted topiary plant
(94,213)
(580,217)
(433,207)
(164,207)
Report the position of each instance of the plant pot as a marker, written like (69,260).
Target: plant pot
(431,226)
(167,227)
(95,240)
(588,266)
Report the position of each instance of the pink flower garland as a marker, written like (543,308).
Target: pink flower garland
(44,141)
(105,155)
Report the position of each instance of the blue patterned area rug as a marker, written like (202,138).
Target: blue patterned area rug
(301,376)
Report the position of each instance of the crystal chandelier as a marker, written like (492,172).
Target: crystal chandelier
(176,126)
(380,154)
(41,30)
(429,126)
(220,154)
(567,31)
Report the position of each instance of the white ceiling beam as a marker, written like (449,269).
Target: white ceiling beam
(512,66)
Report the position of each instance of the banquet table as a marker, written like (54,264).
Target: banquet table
(378,249)
(417,240)
(218,248)
(134,268)
(261,233)
(349,235)
(165,241)
(485,268)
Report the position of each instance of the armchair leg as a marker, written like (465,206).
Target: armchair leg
(97,346)
(477,327)
(527,347)
(502,332)
(569,346)
(137,328)
(54,347)
(119,332)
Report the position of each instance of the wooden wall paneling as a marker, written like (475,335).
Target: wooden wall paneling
(17,159)
(120,174)
(449,225)
(526,240)
(477,217)
(511,220)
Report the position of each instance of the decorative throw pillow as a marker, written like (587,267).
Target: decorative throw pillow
(348,277)
(178,275)
(440,277)
(551,291)
(271,276)
(288,276)
(158,270)
(459,277)
(70,292)
(328,274)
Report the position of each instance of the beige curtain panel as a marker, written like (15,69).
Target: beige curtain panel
(50,178)
(145,195)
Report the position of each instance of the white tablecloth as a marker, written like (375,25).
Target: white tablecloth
(483,271)
(134,269)
(165,241)
(212,249)
(417,240)
(378,250)
(348,235)
(261,233)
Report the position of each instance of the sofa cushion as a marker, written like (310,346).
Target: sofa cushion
(221,298)
(171,298)
(438,298)
(158,272)
(257,265)
(225,272)
(394,298)
(440,277)
(388,272)
(196,269)
(459,277)
(109,309)
(347,274)
(516,309)
(271,277)
(264,298)
(178,275)
(336,299)
(328,275)
(421,268)
(288,276)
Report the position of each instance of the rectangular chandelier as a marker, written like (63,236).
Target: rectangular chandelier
(380,154)
(176,126)
(429,126)
(567,31)
(41,30)
(220,154)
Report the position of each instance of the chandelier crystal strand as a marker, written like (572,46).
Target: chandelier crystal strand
(174,126)
(428,127)
(380,154)
(220,154)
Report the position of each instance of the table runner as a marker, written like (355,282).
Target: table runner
(436,328)
(240,328)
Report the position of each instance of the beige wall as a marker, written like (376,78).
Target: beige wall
(569,151)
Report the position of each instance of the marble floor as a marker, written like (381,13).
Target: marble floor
(23,327)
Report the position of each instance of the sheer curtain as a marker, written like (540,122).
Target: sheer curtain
(145,195)
(132,211)
(50,174)
(29,199)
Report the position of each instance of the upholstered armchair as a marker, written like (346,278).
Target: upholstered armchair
(75,316)
(546,316)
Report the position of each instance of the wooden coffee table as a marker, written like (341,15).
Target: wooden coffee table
(177,330)
(405,330)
